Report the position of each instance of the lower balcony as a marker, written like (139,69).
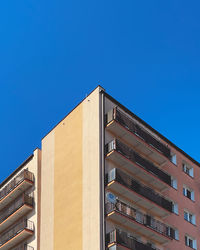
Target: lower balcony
(22,246)
(123,184)
(16,210)
(125,215)
(19,232)
(118,240)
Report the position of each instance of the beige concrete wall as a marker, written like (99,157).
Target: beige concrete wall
(47,193)
(38,211)
(34,167)
(68,182)
(70,207)
(91,178)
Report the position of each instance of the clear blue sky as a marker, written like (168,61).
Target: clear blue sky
(52,53)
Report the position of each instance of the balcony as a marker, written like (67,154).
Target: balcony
(14,211)
(118,240)
(120,154)
(19,232)
(119,123)
(23,246)
(122,184)
(125,215)
(16,187)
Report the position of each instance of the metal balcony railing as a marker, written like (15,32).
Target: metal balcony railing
(131,155)
(24,175)
(134,128)
(23,246)
(23,199)
(124,239)
(139,217)
(14,230)
(127,181)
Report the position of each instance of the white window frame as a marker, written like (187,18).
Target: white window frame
(187,189)
(174,183)
(176,234)
(189,170)
(190,217)
(173,158)
(175,207)
(194,242)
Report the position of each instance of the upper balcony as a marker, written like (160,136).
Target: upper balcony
(17,233)
(22,246)
(14,188)
(15,210)
(124,127)
(123,214)
(121,183)
(119,240)
(126,157)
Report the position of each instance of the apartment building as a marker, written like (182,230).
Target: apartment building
(103,180)
(19,210)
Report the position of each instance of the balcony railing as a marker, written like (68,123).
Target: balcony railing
(24,175)
(131,155)
(125,240)
(23,247)
(16,229)
(134,128)
(23,199)
(132,184)
(139,217)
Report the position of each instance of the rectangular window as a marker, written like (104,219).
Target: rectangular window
(174,208)
(189,217)
(173,159)
(112,175)
(188,193)
(190,242)
(173,182)
(176,234)
(188,169)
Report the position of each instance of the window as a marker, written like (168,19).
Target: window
(176,234)
(188,169)
(173,159)
(174,208)
(188,193)
(112,175)
(190,242)
(189,217)
(173,182)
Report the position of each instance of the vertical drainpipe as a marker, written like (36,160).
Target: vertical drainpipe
(102,171)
